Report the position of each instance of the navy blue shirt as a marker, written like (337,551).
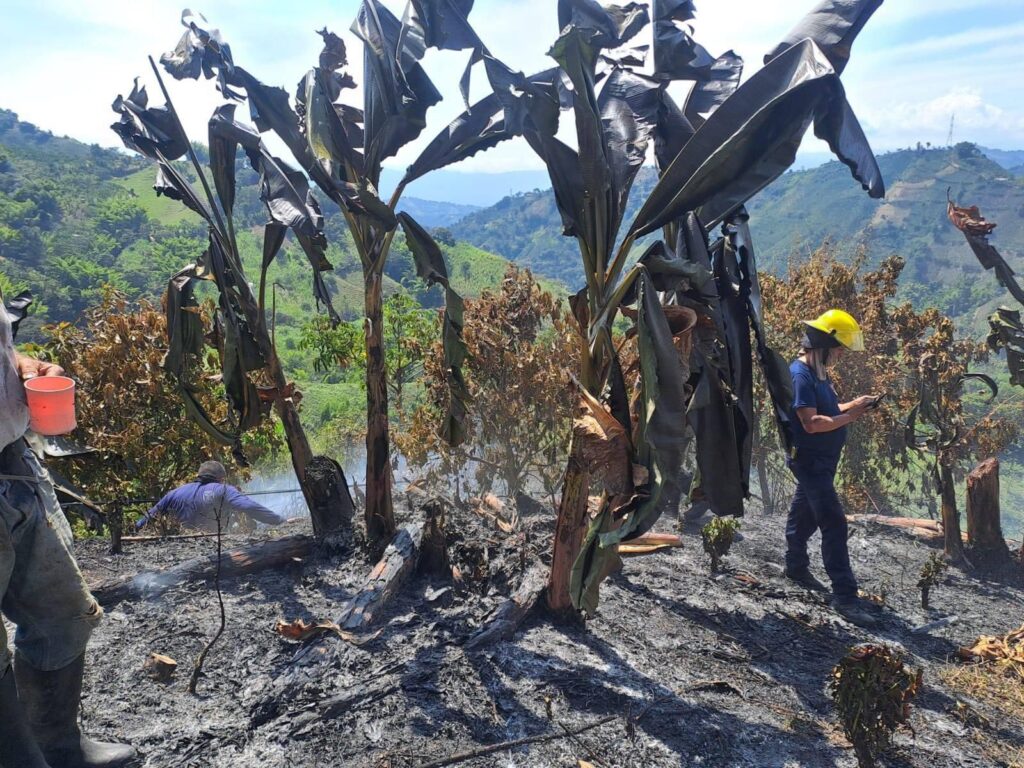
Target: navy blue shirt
(811,392)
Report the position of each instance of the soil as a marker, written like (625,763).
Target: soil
(697,669)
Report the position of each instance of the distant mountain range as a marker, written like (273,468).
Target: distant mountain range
(804,208)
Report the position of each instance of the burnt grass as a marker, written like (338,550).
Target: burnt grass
(695,669)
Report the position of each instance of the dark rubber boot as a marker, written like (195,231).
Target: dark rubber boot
(806,580)
(18,748)
(51,701)
(856,611)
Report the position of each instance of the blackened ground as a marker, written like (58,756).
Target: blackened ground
(699,670)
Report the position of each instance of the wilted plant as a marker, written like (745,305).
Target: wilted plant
(718,536)
(931,575)
(872,689)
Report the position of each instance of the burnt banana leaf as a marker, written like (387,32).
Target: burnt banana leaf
(441,24)
(1007,334)
(773,366)
(150,131)
(430,267)
(671,131)
(17,310)
(628,105)
(185,347)
(490,121)
(612,25)
(225,135)
(735,316)
(677,56)
(976,231)
(710,92)
(752,138)
(833,25)
(396,92)
(661,439)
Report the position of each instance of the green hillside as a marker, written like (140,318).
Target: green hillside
(803,208)
(73,217)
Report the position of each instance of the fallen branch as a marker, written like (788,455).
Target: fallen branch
(197,669)
(512,612)
(385,580)
(235,562)
(461,757)
(175,537)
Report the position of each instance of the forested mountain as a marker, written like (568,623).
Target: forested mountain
(74,217)
(803,208)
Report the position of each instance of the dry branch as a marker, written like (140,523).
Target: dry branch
(512,612)
(235,562)
(395,566)
(461,757)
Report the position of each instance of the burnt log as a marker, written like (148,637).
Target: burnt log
(513,612)
(234,562)
(984,530)
(385,580)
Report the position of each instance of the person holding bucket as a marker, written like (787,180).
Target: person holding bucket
(41,588)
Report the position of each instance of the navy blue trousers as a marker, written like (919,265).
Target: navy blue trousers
(816,507)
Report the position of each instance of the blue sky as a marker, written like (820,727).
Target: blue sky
(916,63)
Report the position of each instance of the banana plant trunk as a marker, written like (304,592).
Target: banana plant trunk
(569,529)
(953,541)
(379,513)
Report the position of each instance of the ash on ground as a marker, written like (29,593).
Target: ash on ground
(693,669)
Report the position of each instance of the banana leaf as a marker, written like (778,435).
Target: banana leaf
(752,138)
(396,92)
(225,135)
(441,24)
(778,380)
(1007,334)
(612,25)
(150,131)
(976,231)
(735,316)
(430,267)
(17,310)
(710,92)
(671,131)
(833,25)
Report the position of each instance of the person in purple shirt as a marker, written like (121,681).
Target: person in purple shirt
(198,504)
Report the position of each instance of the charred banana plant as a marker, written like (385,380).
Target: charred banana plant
(695,301)
(253,378)
(342,147)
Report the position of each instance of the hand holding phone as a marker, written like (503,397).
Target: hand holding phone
(877,401)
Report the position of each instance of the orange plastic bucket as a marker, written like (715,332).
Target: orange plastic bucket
(51,404)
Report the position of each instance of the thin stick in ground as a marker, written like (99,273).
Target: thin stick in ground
(197,670)
(461,757)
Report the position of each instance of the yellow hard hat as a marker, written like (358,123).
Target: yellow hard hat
(841,326)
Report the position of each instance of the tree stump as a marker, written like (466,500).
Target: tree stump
(984,531)
(434,558)
(332,507)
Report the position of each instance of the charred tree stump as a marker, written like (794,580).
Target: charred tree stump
(234,562)
(513,612)
(434,559)
(115,522)
(332,508)
(984,531)
(385,580)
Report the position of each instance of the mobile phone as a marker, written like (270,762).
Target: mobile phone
(875,403)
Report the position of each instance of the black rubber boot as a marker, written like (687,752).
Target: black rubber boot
(806,580)
(51,701)
(18,748)
(855,611)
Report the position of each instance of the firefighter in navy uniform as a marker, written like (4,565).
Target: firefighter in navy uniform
(819,433)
